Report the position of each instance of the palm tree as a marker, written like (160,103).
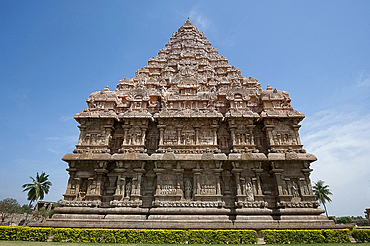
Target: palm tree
(322,193)
(37,189)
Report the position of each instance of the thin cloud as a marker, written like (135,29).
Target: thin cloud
(20,98)
(363,79)
(53,138)
(205,24)
(64,118)
(61,144)
(340,138)
(202,22)
(65,139)
(53,150)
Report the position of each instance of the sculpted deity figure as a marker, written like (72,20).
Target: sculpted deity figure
(128,189)
(249,192)
(295,189)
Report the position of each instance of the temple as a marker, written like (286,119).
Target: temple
(189,143)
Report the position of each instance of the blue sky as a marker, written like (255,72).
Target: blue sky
(53,54)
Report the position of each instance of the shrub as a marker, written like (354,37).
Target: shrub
(361,234)
(293,236)
(344,220)
(337,236)
(128,236)
(306,236)
(20,233)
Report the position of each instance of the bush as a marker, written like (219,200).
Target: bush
(128,236)
(344,220)
(136,236)
(361,234)
(306,236)
(20,233)
(337,236)
(293,236)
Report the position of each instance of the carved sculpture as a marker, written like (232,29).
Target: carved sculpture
(189,132)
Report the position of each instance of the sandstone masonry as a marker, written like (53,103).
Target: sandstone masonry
(189,143)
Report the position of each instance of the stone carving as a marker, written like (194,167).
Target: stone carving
(128,189)
(310,204)
(134,204)
(295,189)
(249,192)
(189,131)
(188,189)
(260,204)
(192,204)
(80,203)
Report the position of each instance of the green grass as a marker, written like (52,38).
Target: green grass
(24,243)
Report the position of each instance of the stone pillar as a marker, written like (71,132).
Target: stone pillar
(196,135)
(108,128)
(143,131)
(250,131)
(214,136)
(242,181)
(257,181)
(277,173)
(179,180)
(139,173)
(125,136)
(161,134)
(158,172)
(71,191)
(236,172)
(268,129)
(100,172)
(218,181)
(121,182)
(306,173)
(196,189)
(233,136)
(178,131)
(296,134)
(77,180)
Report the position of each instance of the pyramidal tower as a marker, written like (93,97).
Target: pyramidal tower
(189,143)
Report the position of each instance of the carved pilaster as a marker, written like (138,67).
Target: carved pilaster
(236,171)
(161,134)
(277,172)
(179,180)
(101,171)
(136,184)
(197,172)
(257,182)
(268,129)
(217,172)
(158,172)
(121,182)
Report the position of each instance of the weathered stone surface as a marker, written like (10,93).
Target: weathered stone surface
(189,143)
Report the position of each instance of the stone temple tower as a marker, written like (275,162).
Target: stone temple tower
(189,143)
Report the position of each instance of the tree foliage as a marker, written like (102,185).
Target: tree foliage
(322,193)
(8,206)
(26,208)
(344,220)
(38,188)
